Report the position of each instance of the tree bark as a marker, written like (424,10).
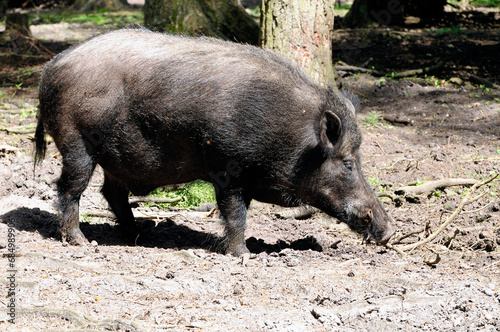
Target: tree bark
(225,19)
(302,31)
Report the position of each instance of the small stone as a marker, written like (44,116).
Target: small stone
(238,289)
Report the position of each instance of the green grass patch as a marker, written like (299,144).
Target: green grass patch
(454,30)
(192,194)
(122,18)
(486,3)
(342,9)
(372,119)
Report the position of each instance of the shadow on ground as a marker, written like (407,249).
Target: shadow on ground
(166,234)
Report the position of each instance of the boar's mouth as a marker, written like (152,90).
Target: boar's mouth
(367,225)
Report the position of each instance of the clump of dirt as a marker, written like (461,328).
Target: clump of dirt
(304,274)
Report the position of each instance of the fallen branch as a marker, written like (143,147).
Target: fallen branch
(479,80)
(398,119)
(433,185)
(158,200)
(412,72)
(297,213)
(139,215)
(467,199)
(354,69)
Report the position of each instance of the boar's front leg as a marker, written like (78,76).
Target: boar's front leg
(233,207)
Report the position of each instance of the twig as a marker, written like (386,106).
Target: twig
(478,197)
(18,131)
(433,185)
(457,211)
(492,264)
(453,237)
(404,236)
(32,42)
(378,144)
(480,209)
(396,249)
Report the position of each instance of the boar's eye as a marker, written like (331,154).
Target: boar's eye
(348,165)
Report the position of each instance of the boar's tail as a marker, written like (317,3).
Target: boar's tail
(40,143)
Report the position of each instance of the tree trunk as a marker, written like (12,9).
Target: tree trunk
(89,5)
(357,16)
(302,31)
(390,12)
(18,30)
(225,19)
(3,8)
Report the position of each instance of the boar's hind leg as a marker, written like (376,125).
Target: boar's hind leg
(233,208)
(117,197)
(77,169)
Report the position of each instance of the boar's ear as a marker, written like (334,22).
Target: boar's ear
(352,101)
(331,129)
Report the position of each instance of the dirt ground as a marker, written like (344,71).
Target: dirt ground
(312,274)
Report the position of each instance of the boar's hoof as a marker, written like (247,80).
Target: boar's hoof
(74,237)
(238,250)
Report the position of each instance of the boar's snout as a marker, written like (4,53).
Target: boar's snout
(386,235)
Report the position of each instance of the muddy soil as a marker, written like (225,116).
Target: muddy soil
(310,274)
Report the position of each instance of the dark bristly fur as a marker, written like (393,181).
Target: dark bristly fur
(155,109)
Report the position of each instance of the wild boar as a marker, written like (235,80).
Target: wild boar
(156,109)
